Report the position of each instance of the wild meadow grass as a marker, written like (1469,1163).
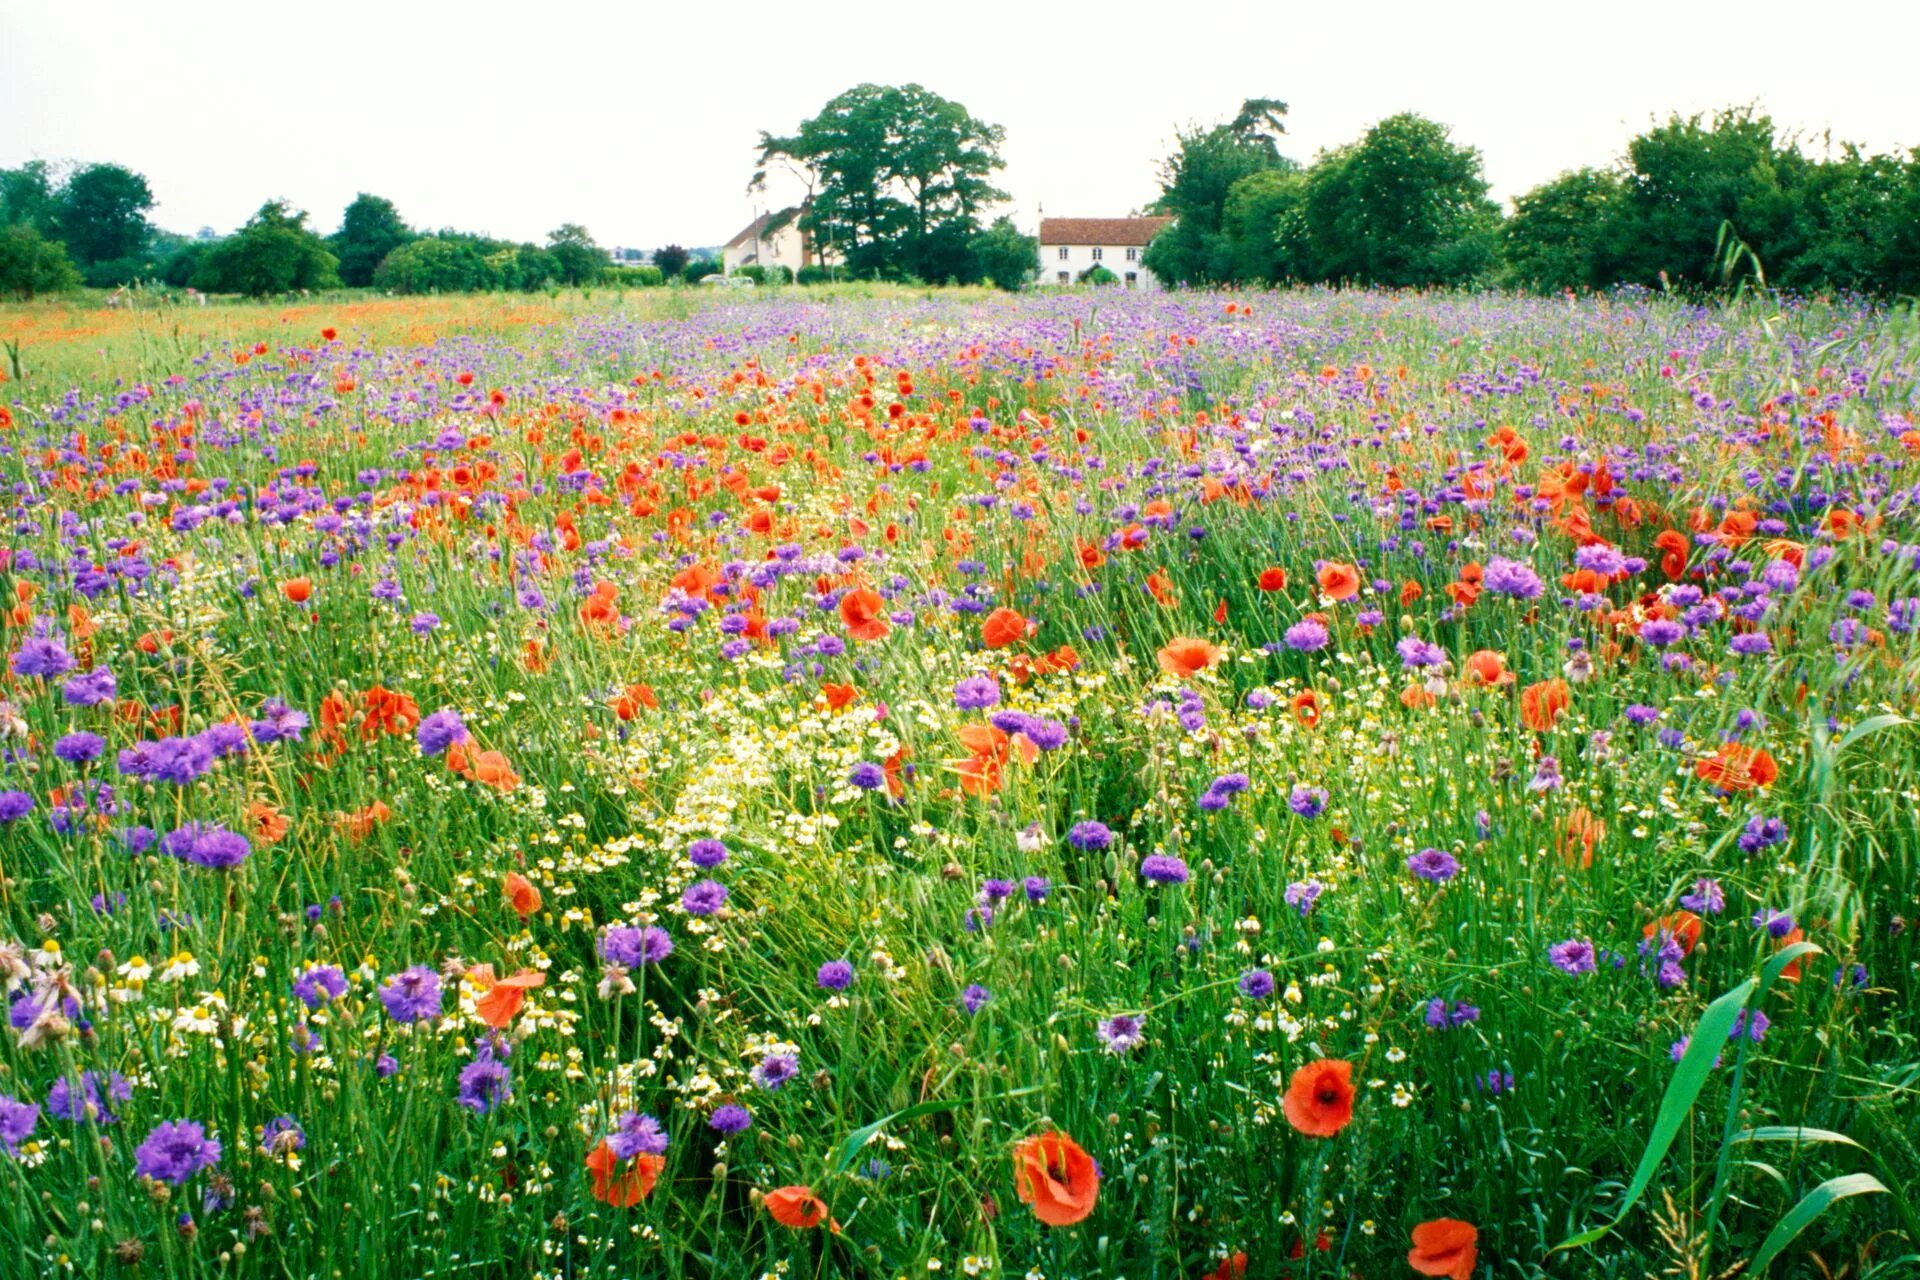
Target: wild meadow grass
(878,783)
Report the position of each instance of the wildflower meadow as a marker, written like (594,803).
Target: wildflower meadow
(867,781)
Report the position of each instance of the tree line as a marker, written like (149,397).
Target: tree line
(898,182)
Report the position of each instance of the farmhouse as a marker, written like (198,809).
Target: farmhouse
(772,240)
(1070,248)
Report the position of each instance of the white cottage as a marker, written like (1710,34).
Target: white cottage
(771,240)
(1072,247)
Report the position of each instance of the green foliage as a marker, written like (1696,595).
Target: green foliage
(1264,225)
(813,274)
(641,277)
(1563,234)
(27,198)
(897,176)
(274,253)
(370,229)
(32,264)
(1195,183)
(672,259)
(1097,274)
(101,213)
(577,259)
(699,269)
(1403,206)
(437,264)
(1006,256)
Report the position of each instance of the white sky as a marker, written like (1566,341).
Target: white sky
(639,120)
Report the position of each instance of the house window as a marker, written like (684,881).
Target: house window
(1098,254)
(1133,278)
(1133,255)
(1063,253)
(1063,277)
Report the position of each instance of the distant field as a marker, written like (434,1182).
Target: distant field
(882,782)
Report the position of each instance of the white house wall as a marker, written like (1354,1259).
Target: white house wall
(1075,259)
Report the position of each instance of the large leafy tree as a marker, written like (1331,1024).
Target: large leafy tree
(370,229)
(672,259)
(30,263)
(1693,177)
(896,178)
(1403,206)
(1006,255)
(1565,234)
(274,253)
(1264,226)
(577,259)
(101,213)
(1194,184)
(27,197)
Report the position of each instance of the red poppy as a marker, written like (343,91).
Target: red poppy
(1543,703)
(1444,1247)
(520,894)
(1003,627)
(298,590)
(1484,666)
(1737,767)
(1683,927)
(1273,578)
(1185,657)
(1338,581)
(1319,1098)
(1054,1175)
(797,1207)
(861,612)
(504,996)
(621,1189)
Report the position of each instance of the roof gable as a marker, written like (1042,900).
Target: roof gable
(1102,231)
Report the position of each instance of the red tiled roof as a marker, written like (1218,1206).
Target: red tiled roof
(1102,231)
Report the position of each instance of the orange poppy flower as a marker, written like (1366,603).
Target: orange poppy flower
(1338,581)
(520,894)
(1273,578)
(838,695)
(1319,1099)
(488,768)
(298,590)
(1543,703)
(1484,666)
(1306,708)
(265,823)
(1793,971)
(1232,1267)
(1003,627)
(627,705)
(504,996)
(1184,657)
(861,612)
(797,1207)
(1444,1247)
(1579,834)
(1054,1175)
(1683,927)
(1736,767)
(622,1189)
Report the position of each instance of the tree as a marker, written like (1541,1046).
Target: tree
(698,269)
(897,177)
(370,229)
(439,264)
(578,259)
(273,253)
(1563,234)
(1005,255)
(1692,176)
(1264,225)
(30,263)
(27,197)
(101,213)
(671,259)
(1194,183)
(1403,206)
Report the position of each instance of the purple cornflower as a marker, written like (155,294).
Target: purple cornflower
(14,805)
(40,656)
(423,623)
(1307,636)
(205,845)
(1256,984)
(729,1119)
(1514,578)
(1122,1033)
(974,998)
(80,748)
(1433,865)
(1416,653)
(1037,888)
(1442,1016)
(412,994)
(775,1070)
(976,693)
(485,1082)
(995,892)
(1575,956)
(320,985)
(1754,1027)
(1778,924)
(441,730)
(637,1134)
(174,1151)
(1762,833)
(633,946)
(1308,802)
(281,1136)
(834,975)
(1546,776)
(1707,898)
(1163,868)
(17,1121)
(1302,894)
(867,776)
(704,897)
(278,723)
(706,854)
(89,1103)
(91,688)
(1090,837)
